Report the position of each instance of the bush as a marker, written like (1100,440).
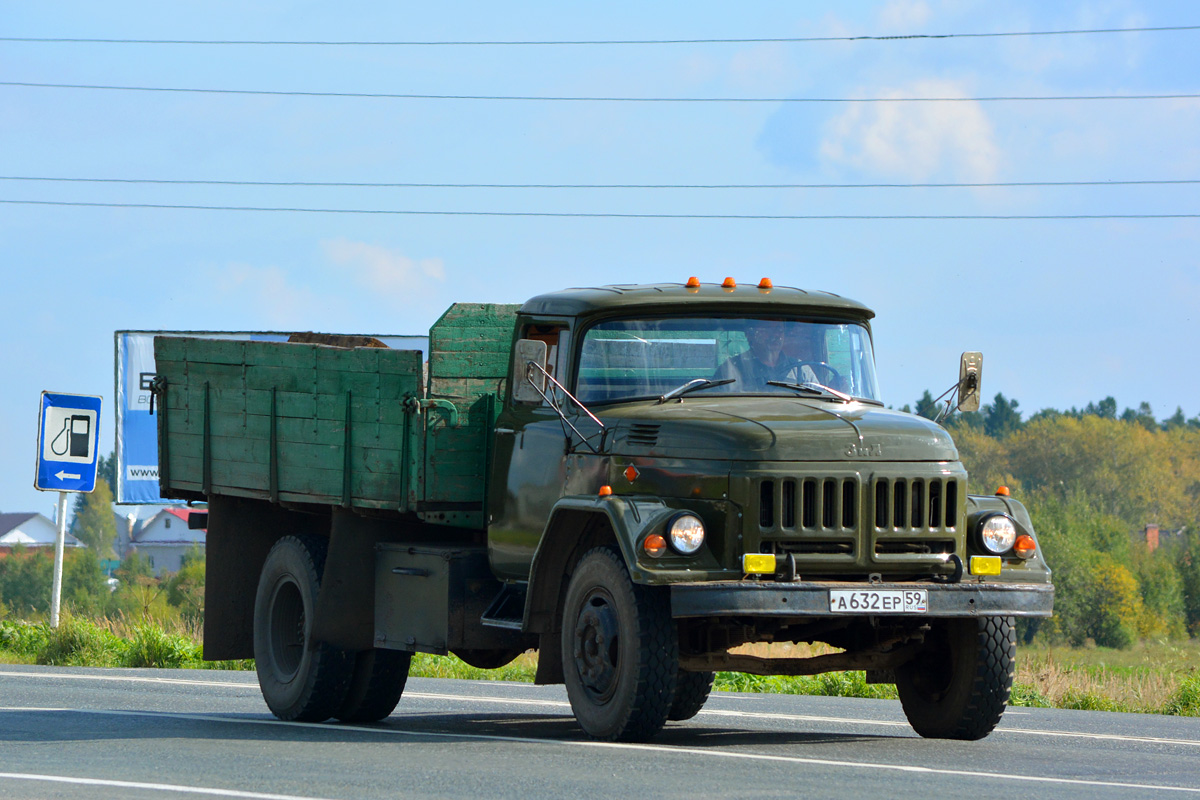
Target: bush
(77,642)
(153,647)
(1186,702)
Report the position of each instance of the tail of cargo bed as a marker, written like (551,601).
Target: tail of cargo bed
(334,426)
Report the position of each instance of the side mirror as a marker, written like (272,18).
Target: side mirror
(527,382)
(970,375)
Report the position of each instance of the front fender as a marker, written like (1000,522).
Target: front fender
(1035,569)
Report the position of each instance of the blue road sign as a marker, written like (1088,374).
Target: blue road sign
(68,439)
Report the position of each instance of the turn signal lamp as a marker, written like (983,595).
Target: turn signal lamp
(1025,546)
(605,491)
(655,545)
(1002,491)
(758,564)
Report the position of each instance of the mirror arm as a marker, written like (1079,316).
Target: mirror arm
(553,403)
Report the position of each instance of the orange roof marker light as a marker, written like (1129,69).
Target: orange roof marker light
(605,491)
(1002,491)
(765,285)
(729,284)
(693,283)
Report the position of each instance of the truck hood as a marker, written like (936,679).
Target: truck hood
(774,429)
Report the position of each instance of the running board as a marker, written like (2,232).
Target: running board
(507,610)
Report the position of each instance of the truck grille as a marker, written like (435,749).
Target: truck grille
(916,503)
(881,520)
(808,504)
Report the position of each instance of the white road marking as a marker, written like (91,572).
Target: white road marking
(1113,737)
(158,787)
(656,749)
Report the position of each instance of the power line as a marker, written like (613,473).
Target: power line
(378,185)
(548,98)
(587,42)
(592,215)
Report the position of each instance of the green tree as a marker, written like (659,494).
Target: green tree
(926,407)
(94,524)
(1001,418)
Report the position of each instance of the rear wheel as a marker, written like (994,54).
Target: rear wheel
(376,685)
(299,680)
(691,692)
(958,686)
(620,651)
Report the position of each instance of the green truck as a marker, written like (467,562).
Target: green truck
(646,484)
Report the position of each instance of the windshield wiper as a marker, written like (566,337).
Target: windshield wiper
(812,387)
(694,385)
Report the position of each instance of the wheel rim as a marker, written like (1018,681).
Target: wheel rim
(598,645)
(287,630)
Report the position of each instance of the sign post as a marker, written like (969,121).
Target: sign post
(68,438)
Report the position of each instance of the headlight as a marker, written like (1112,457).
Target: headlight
(997,532)
(686,533)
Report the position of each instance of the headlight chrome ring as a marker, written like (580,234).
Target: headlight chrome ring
(996,533)
(685,533)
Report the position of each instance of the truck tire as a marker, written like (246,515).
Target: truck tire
(299,680)
(375,687)
(620,651)
(958,686)
(691,693)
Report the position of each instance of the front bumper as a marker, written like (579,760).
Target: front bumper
(811,599)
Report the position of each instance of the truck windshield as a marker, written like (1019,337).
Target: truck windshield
(640,358)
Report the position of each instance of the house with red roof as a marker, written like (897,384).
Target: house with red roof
(165,538)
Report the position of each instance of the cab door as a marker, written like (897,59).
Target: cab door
(528,468)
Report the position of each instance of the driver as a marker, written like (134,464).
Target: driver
(767,359)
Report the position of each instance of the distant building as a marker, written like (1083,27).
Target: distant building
(31,530)
(1151,534)
(165,538)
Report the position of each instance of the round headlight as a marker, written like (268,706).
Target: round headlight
(997,533)
(686,533)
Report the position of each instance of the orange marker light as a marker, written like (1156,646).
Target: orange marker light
(729,283)
(1002,491)
(605,491)
(1025,546)
(631,473)
(765,283)
(655,545)
(693,282)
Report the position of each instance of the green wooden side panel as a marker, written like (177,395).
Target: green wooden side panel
(287,421)
(469,351)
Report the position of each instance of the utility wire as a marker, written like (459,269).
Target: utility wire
(548,98)
(429,213)
(375,185)
(527,43)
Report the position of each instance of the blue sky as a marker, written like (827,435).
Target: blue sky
(1066,311)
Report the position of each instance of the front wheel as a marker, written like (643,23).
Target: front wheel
(620,651)
(958,686)
(299,679)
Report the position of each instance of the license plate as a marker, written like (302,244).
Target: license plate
(878,601)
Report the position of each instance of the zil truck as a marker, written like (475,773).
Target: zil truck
(647,484)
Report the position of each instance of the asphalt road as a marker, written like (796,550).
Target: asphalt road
(133,734)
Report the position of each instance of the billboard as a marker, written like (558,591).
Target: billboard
(137,432)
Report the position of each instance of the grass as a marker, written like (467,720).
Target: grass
(1154,677)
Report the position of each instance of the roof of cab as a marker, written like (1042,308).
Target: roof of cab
(710,296)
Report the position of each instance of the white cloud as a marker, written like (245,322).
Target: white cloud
(385,272)
(904,15)
(267,293)
(915,140)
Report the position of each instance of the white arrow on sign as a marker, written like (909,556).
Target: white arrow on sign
(62,475)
